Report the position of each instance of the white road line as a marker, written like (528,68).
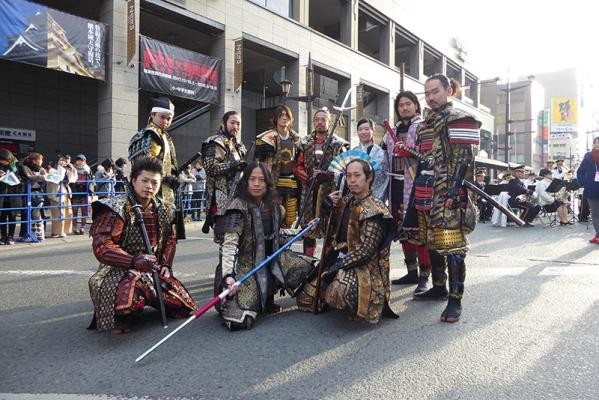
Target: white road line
(47,272)
(61,396)
(570,270)
(74,272)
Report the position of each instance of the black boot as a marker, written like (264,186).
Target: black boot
(453,310)
(410,279)
(422,285)
(434,293)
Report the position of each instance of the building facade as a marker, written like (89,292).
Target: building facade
(353,45)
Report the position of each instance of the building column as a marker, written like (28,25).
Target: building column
(223,47)
(301,11)
(118,96)
(349,23)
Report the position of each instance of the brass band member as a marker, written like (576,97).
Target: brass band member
(306,168)
(155,141)
(548,200)
(516,188)
(278,148)
(356,253)
(485,209)
(445,213)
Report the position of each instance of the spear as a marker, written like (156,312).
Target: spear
(344,107)
(238,283)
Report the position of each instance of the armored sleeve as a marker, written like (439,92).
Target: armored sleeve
(230,226)
(464,133)
(215,161)
(106,231)
(299,169)
(372,235)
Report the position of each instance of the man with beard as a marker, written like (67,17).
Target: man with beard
(444,211)
(155,141)
(312,151)
(223,156)
(404,166)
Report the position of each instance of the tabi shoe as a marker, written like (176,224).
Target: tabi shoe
(3,240)
(594,240)
(434,293)
(9,241)
(422,285)
(248,323)
(411,278)
(453,311)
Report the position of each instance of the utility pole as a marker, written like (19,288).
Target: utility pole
(507,122)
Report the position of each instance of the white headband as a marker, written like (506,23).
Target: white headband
(162,110)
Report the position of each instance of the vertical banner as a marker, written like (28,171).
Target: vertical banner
(238,67)
(35,34)
(359,101)
(178,72)
(131,31)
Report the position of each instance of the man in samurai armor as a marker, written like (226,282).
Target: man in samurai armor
(355,263)
(404,166)
(444,212)
(306,169)
(123,285)
(278,148)
(250,230)
(155,141)
(223,156)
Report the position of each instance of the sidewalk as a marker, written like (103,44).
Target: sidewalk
(193,228)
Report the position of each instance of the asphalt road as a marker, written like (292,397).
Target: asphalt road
(528,331)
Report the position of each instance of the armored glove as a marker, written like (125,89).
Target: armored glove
(145,262)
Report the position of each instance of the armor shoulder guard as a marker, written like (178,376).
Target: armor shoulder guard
(116,204)
(141,142)
(371,207)
(268,137)
(230,222)
(215,139)
(339,141)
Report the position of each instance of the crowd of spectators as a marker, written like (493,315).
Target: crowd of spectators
(62,190)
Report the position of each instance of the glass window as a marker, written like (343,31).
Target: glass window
(282,7)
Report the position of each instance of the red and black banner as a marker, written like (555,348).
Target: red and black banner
(178,72)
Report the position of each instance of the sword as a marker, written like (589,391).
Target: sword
(494,202)
(226,292)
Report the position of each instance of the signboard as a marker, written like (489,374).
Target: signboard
(238,67)
(178,72)
(27,135)
(131,31)
(35,34)
(564,114)
(360,101)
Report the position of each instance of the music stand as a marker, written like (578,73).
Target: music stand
(495,190)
